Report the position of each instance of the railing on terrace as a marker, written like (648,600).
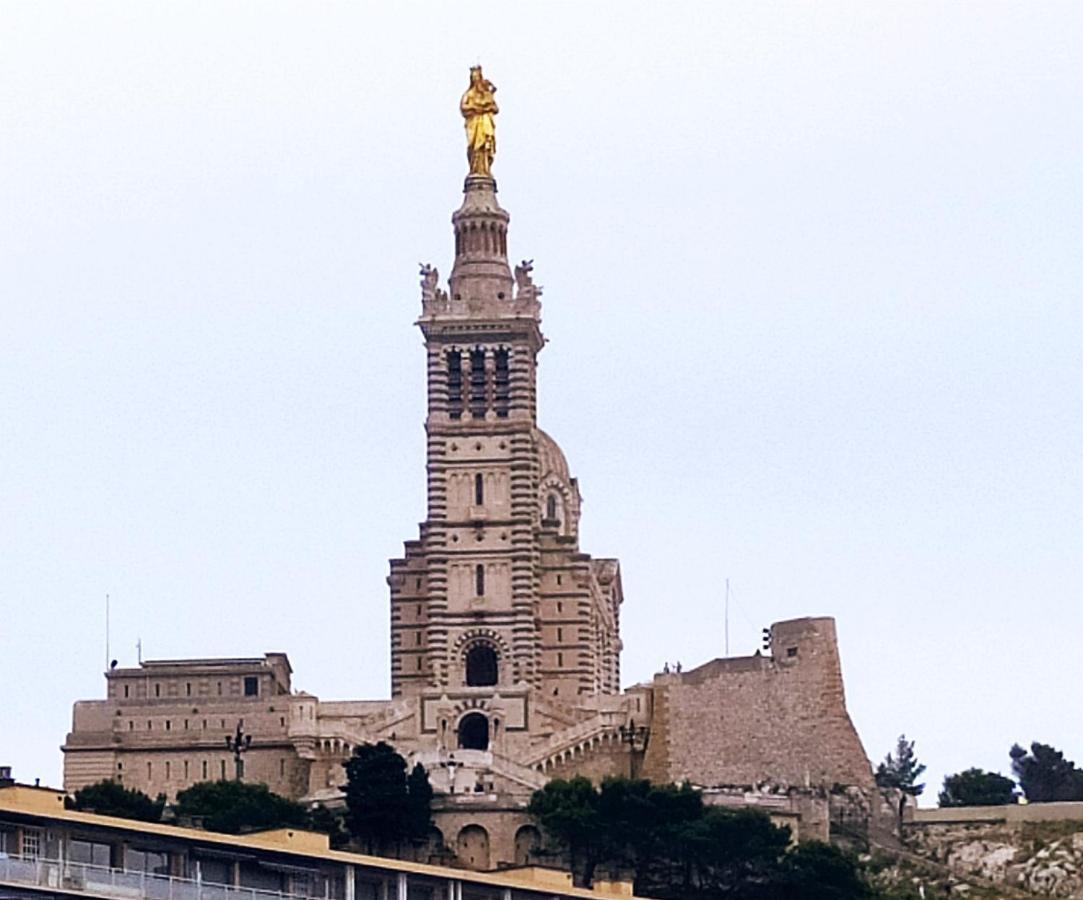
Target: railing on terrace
(108,882)
(47,875)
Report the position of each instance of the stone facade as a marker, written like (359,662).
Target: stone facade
(505,636)
(743,720)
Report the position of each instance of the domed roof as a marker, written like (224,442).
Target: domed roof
(552,458)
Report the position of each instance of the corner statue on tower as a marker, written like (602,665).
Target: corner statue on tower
(478,107)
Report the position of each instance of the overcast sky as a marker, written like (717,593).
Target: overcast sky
(812,289)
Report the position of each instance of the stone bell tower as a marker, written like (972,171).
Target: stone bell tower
(494,596)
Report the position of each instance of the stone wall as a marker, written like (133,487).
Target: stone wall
(1034,849)
(780,719)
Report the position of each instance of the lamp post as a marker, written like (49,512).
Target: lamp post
(239,743)
(637,738)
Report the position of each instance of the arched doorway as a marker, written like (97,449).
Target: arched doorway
(473,847)
(481,670)
(527,842)
(474,732)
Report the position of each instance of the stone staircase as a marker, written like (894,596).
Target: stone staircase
(577,741)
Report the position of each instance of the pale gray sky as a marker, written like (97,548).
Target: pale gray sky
(813,277)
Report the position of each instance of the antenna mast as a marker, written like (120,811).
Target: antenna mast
(727,617)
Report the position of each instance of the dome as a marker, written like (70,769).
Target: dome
(552,458)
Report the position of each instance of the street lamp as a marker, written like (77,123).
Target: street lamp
(637,738)
(239,743)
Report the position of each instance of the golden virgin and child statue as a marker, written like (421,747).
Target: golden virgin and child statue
(478,107)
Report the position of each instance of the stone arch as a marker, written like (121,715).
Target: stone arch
(486,637)
(473,731)
(554,492)
(528,841)
(472,847)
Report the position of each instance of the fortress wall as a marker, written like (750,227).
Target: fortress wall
(779,718)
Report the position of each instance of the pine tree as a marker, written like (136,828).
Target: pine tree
(901,772)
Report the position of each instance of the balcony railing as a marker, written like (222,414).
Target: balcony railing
(102,881)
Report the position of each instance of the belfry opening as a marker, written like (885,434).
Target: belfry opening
(481,666)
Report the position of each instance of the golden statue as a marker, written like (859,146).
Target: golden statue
(478,107)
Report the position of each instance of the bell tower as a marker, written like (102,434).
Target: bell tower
(475,603)
(494,599)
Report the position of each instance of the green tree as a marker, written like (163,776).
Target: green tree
(568,811)
(384,807)
(679,849)
(1045,775)
(108,798)
(975,787)
(418,803)
(722,853)
(901,771)
(816,871)
(331,822)
(233,807)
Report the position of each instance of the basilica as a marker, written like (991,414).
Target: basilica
(505,634)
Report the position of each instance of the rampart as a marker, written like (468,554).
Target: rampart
(778,719)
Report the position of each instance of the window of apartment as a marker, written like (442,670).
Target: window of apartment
(125,690)
(168,725)
(150,861)
(131,725)
(479,490)
(150,725)
(204,770)
(185,724)
(251,686)
(186,770)
(188,689)
(31,843)
(282,768)
(150,771)
(222,763)
(89,853)
(479,580)
(560,659)
(167,770)
(560,634)
(157,690)
(417,637)
(219,688)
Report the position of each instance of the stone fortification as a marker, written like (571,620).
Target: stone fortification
(742,721)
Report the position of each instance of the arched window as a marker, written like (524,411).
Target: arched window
(479,490)
(479,580)
(551,507)
(474,732)
(481,666)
